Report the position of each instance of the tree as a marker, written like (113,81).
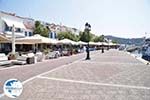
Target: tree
(114,41)
(97,39)
(45,32)
(68,35)
(40,29)
(37,23)
(85,37)
(62,35)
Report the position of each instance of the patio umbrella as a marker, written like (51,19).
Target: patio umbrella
(81,43)
(45,39)
(113,44)
(36,39)
(99,43)
(93,43)
(105,44)
(67,41)
(28,40)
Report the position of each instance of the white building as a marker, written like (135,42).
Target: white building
(74,31)
(23,26)
(29,25)
(61,28)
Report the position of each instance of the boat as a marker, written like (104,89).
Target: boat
(146,49)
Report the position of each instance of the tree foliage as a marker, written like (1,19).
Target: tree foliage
(85,37)
(99,38)
(114,41)
(68,35)
(40,29)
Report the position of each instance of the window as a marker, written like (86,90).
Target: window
(30,33)
(17,29)
(51,35)
(26,33)
(55,36)
(6,28)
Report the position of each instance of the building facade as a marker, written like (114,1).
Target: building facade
(55,28)
(29,25)
(23,26)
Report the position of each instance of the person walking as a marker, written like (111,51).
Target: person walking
(102,49)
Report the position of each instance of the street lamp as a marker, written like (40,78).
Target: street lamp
(13,40)
(87,30)
(108,44)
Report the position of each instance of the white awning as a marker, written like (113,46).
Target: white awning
(35,40)
(4,39)
(17,24)
(82,43)
(18,35)
(93,43)
(67,41)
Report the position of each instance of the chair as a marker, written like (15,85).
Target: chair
(4,60)
(39,56)
(65,53)
(54,54)
(20,60)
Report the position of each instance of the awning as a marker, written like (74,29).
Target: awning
(82,43)
(93,43)
(28,40)
(45,39)
(4,39)
(67,41)
(36,39)
(113,44)
(10,23)
(8,34)
(105,44)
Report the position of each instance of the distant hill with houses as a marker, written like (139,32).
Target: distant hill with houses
(135,41)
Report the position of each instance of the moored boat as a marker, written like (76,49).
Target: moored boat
(146,49)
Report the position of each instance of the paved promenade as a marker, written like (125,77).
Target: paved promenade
(114,75)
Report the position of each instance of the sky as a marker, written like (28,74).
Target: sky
(121,18)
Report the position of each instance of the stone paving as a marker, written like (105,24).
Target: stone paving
(57,90)
(113,75)
(24,72)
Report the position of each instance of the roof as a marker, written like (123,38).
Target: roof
(13,14)
(29,25)
(10,23)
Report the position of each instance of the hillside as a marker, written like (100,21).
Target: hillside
(136,41)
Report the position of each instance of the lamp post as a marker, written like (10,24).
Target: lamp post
(13,40)
(87,31)
(108,44)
